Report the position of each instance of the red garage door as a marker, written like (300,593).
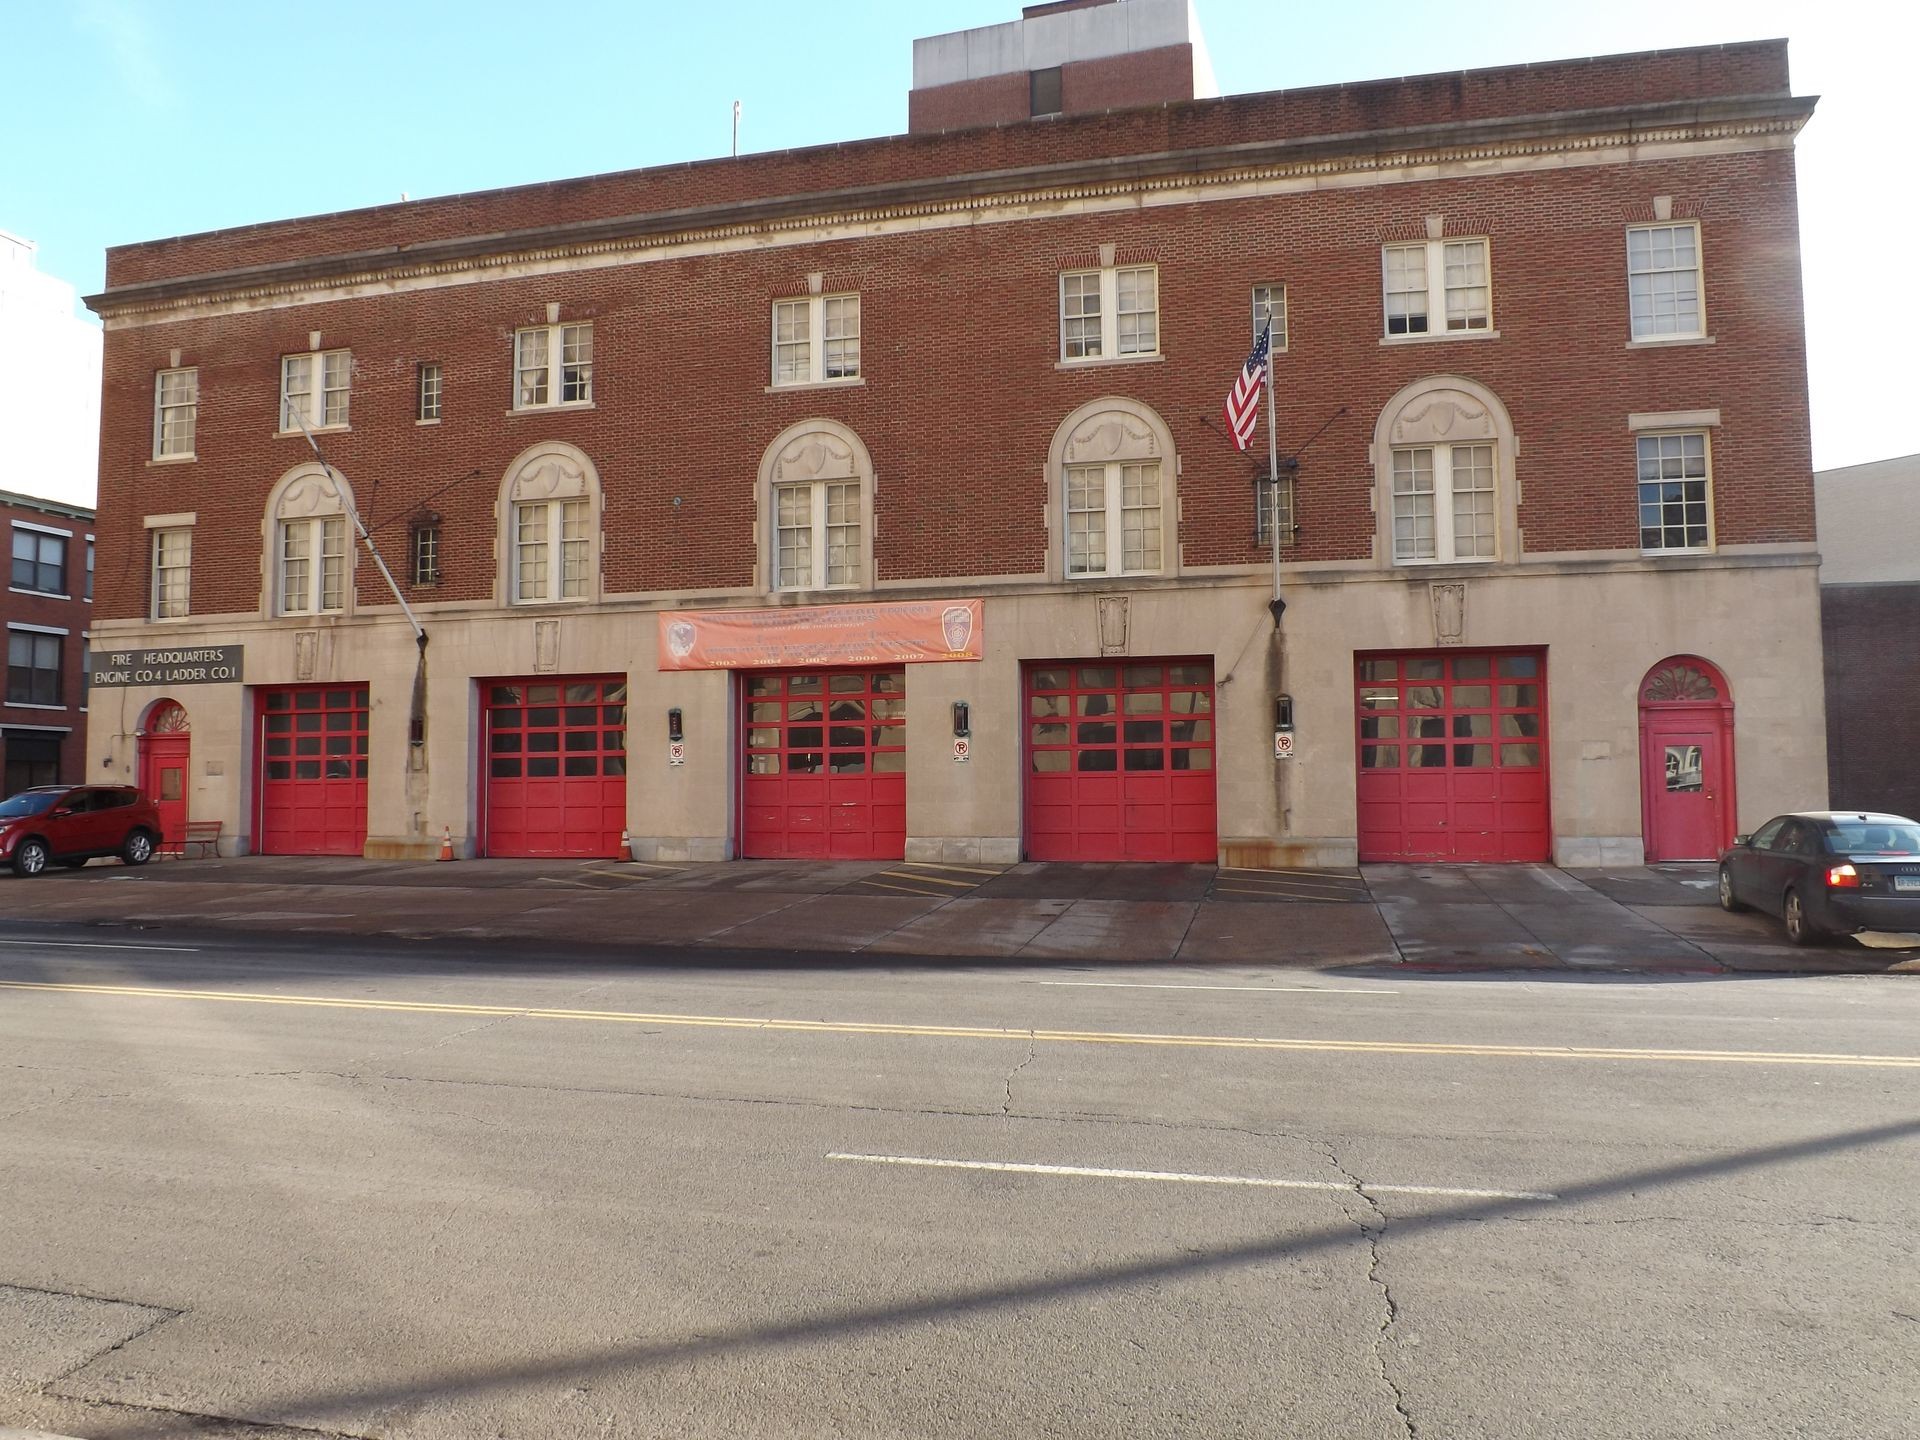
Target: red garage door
(1453,757)
(825,765)
(1120,761)
(313,770)
(556,779)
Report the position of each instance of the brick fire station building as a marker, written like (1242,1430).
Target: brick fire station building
(875,500)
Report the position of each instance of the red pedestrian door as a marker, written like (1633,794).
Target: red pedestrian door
(1120,761)
(824,765)
(166,748)
(556,767)
(313,770)
(1453,757)
(1686,760)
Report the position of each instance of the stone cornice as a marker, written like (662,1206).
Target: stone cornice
(1753,119)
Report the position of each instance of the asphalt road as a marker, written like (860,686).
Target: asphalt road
(464,1193)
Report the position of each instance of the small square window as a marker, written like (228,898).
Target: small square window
(315,390)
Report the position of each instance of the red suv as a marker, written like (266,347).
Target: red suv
(70,824)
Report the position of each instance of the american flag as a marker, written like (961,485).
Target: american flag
(1243,401)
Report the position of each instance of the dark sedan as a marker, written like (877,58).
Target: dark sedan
(1828,872)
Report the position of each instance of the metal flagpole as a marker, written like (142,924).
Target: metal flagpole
(1273,479)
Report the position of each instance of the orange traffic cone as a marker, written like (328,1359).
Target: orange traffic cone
(626,845)
(446,842)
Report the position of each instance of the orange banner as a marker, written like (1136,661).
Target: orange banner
(904,632)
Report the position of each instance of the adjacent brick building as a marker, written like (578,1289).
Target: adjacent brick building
(876,499)
(47,614)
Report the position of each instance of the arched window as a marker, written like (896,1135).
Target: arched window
(311,561)
(1110,475)
(1443,463)
(550,527)
(816,498)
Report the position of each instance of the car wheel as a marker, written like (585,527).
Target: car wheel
(30,858)
(138,849)
(1727,900)
(1800,929)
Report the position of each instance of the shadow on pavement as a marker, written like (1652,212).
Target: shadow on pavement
(344,1403)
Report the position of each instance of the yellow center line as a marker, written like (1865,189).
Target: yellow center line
(986,1032)
(932,879)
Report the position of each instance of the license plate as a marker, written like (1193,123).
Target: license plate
(1907,884)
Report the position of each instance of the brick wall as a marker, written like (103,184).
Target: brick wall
(1749,69)
(963,394)
(74,615)
(1872,638)
(1114,82)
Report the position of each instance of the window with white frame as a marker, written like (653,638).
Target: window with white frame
(552,544)
(89,594)
(1264,511)
(816,339)
(1111,312)
(1443,503)
(315,389)
(172,572)
(427,393)
(313,565)
(1270,304)
(33,667)
(553,365)
(817,535)
(39,561)
(176,409)
(1113,519)
(1676,498)
(1443,281)
(1663,281)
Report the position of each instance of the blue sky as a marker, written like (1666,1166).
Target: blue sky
(134,119)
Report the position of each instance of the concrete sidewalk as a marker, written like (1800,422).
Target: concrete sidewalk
(1441,918)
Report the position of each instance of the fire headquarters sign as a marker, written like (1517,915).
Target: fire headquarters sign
(198,665)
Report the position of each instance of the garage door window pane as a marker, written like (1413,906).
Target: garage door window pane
(1472,727)
(807,764)
(803,685)
(1147,703)
(763,739)
(1097,760)
(1190,731)
(1424,697)
(1472,667)
(847,684)
(763,685)
(1146,760)
(1525,756)
(578,740)
(544,718)
(897,710)
(1519,724)
(804,710)
(1094,704)
(1426,727)
(1427,757)
(1050,734)
(1378,699)
(1050,762)
(1145,732)
(853,762)
(545,742)
(1472,697)
(1473,756)
(543,695)
(1193,760)
(757,765)
(1379,727)
(583,714)
(1190,702)
(1097,732)
(543,767)
(616,764)
(764,714)
(578,765)
(582,694)
(1379,757)
(1050,680)
(892,762)
(1045,705)
(1519,667)
(507,743)
(1190,675)
(1520,697)
(1379,669)
(806,735)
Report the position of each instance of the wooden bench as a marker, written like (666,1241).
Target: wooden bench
(203,833)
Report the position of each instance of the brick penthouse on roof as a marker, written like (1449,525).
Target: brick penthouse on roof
(604,431)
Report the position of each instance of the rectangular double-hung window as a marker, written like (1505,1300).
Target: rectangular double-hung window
(553,365)
(1437,287)
(1443,503)
(552,550)
(1663,281)
(1676,499)
(1113,519)
(1111,312)
(315,389)
(176,409)
(313,565)
(172,572)
(817,535)
(33,667)
(816,339)
(39,560)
